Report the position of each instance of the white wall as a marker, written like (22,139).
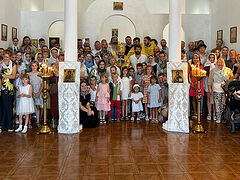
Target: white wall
(39,28)
(123,24)
(224,16)
(11,19)
(146,20)
(32,5)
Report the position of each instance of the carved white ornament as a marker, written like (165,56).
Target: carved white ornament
(69,100)
(178,100)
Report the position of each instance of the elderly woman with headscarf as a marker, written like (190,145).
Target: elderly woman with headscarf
(216,81)
(209,65)
(193,91)
(88,113)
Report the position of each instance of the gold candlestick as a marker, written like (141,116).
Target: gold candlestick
(45,129)
(199,127)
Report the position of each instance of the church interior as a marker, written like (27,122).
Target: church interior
(84,121)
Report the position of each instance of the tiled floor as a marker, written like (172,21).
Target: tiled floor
(122,151)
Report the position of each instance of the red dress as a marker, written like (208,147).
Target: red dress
(194,91)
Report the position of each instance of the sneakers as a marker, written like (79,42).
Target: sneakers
(147,119)
(138,119)
(24,129)
(0,130)
(209,117)
(218,121)
(19,128)
(10,130)
(214,118)
(132,118)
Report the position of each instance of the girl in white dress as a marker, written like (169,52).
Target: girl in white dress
(126,91)
(136,98)
(37,86)
(26,104)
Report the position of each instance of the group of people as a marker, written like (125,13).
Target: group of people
(119,81)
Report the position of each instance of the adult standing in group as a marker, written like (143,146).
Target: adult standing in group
(137,57)
(128,45)
(217,79)
(224,53)
(232,59)
(203,55)
(27,42)
(148,46)
(97,48)
(219,43)
(15,46)
(8,72)
(190,50)
(164,47)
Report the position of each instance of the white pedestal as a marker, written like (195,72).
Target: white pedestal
(68,98)
(178,100)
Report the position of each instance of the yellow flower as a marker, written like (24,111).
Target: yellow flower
(8,85)
(7,72)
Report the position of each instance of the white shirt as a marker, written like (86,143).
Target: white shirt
(94,51)
(134,61)
(93,94)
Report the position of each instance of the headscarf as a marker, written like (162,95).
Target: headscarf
(221,75)
(101,70)
(88,64)
(52,60)
(24,59)
(209,63)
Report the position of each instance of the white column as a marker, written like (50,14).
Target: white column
(178,93)
(70,27)
(175,33)
(68,93)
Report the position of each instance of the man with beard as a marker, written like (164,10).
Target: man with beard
(104,50)
(190,50)
(164,47)
(148,46)
(162,64)
(136,41)
(97,48)
(137,57)
(114,46)
(128,44)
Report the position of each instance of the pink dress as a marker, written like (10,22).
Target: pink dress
(103,96)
